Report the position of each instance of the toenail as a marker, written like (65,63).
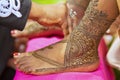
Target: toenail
(16,54)
(13,32)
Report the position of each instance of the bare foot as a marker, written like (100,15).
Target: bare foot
(34,29)
(45,22)
(42,59)
(81,53)
(52,59)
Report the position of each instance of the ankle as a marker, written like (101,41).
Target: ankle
(85,67)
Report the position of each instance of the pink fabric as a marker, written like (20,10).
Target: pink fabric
(104,72)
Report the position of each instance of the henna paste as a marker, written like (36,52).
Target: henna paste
(50,61)
(83,43)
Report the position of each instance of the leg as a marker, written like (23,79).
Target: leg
(81,51)
(85,38)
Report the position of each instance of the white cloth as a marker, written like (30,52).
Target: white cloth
(8,7)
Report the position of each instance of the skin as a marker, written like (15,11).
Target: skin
(46,19)
(47,13)
(48,23)
(118,2)
(115,26)
(34,29)
(78,52)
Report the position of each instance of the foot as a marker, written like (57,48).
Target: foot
(34,29)
(81,53)
(41,59)
(57,59)
(45,23)
(49,60)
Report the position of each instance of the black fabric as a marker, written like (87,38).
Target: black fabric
(12,22)
(6,25)
(8,74)
(6,47)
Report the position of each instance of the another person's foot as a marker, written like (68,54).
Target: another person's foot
(34,29)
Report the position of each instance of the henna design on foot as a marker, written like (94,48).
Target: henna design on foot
(81,52)
(83,43)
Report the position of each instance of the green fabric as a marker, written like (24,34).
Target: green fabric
(48,1)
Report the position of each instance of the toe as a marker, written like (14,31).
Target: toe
(15,33)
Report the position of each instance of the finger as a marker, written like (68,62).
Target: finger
(70,27)
(75,21)
(65,29)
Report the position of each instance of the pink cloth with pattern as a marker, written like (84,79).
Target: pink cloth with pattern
(104,72)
